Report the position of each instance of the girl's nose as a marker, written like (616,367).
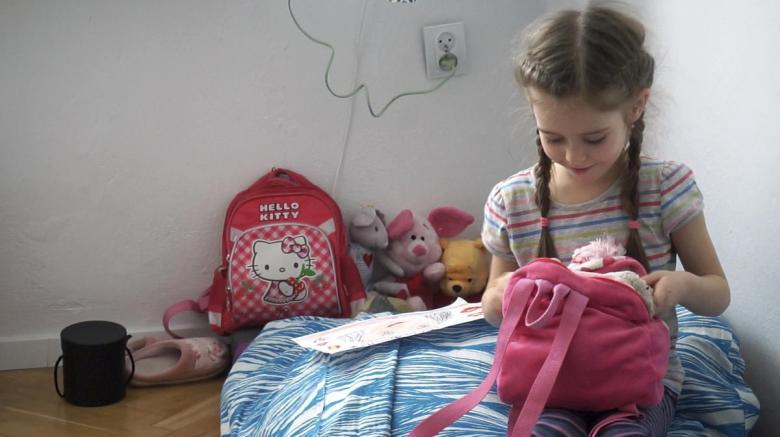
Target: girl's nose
(575,154)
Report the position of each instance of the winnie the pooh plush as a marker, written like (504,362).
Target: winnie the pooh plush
(467,264)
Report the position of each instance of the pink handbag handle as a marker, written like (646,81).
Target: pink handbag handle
(559,292)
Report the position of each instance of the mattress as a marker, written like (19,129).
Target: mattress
(277,388)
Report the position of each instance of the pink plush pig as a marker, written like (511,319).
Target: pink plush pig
(414,252)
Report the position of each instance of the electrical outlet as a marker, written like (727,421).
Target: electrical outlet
(445,48)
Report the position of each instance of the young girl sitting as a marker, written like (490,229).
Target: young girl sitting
(587,77)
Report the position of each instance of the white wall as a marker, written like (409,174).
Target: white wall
(717,110)
(126,127)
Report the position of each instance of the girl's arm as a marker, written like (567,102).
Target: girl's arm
(500,271)
(702,287)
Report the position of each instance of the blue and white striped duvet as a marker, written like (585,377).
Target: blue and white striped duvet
(278,388)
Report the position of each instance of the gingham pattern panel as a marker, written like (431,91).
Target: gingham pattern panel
(247,291)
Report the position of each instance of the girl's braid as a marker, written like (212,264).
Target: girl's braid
(542,198)
(630,191)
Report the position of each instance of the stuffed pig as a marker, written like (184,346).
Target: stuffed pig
(414,252)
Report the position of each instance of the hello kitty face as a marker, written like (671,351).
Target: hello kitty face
(280,260)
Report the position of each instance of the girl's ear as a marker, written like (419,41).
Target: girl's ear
(638,108)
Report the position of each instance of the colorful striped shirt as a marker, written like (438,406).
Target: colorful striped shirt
(669,198)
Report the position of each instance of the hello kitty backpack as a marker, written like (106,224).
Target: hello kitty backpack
(284,253)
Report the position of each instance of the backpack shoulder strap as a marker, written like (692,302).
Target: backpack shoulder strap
(198,306)
(444,417)
(548,374)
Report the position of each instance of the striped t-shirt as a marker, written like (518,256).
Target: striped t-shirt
(669,198)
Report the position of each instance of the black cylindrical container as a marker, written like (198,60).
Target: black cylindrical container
(93,361)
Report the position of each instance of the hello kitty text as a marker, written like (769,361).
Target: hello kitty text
(279,211)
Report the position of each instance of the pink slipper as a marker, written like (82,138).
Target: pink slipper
(159,362)
(140,343)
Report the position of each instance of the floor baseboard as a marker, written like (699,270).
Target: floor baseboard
(31,353)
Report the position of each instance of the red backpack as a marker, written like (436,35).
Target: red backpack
(284,253)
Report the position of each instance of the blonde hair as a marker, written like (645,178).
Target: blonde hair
(598,55)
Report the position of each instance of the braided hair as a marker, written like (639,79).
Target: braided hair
(598,55)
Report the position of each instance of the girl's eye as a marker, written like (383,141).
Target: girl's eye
(595,140)
(554,140)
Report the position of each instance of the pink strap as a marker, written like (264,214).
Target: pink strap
(622,413)
(559,295)
(452,412)
(545,380)
(186,305)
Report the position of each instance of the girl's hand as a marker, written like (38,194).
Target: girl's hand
(669,288)
(492,299)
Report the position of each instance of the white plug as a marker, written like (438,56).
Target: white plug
(448,62)
(445,50)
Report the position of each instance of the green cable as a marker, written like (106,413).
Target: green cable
(362,85)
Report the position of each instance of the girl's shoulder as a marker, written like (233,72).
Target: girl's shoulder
(520,181)
(660,172)
(517,189)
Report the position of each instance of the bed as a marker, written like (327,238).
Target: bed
(277,388)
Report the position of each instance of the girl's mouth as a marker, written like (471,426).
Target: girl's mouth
(580,171)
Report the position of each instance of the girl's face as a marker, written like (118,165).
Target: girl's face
(585,144)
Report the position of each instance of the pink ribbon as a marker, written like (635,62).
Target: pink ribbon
(290,246)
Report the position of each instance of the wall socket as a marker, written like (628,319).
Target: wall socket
(445,47)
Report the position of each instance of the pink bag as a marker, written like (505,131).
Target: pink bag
(575,340)
(284,253)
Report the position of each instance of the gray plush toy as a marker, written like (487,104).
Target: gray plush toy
(367,236)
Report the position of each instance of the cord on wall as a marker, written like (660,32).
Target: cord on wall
(356,88)
(362,85)
(351,113)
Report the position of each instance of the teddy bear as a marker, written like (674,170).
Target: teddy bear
(412,257)
(467,265)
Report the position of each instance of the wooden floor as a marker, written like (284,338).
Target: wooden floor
(29,406)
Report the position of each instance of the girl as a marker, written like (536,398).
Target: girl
(587,76)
